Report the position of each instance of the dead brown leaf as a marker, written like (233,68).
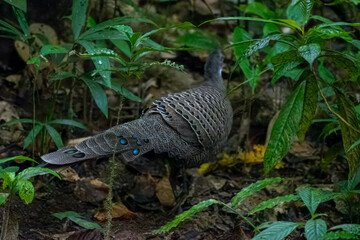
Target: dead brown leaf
(118,210)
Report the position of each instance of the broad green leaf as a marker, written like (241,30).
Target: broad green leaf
(34,60)
(284,69)
(4,160)
(10,28)
(104,52)
(271,203)
(260,10)
(312,197)
(252,188)
(8,180)
(13,169)
(344,62)
(340,235)
(113,22)
(118,87)
(310,52)
(123,46)
(76,218)
(34,171)
(327,33)
(276,231)
(102,64)
(325,74)
(356,143)
(98,94)
(67,122)
(54,135)
(3,198)
(198,40)
(22,21)
(32,134)
(309,106)
(52,49)
(349,135)
(315,229)
(300,11)
(26,191)
(285,128)
(61,76)
(21,4)
(78,16)
(270,28)
(186,215)
(283,22)
(104,34)
(351,228)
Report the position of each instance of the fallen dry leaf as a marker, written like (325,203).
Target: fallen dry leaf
(91,190)
(164,192)
(118,210)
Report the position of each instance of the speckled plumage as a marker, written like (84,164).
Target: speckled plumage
(190,126)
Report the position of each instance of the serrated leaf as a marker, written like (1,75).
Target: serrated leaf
(312,197)
(276,231)
(284,69)
(344,62)
(252,188)
(78,16)
(273,202)
(300,11)
(98,94)
(3,198)
(349,135)
(285,128)
(310,52)
(54,135)
(102,64)
(186,215)
(259,44)
(26,191)
(340,235)
(315,229)
(351,228)
(309,106)
(32,134)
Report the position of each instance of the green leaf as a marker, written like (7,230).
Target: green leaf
(315,229)
(102,64)
(67,122)
(312,197)
(21,4)
(34,171)
(351,228)
(198,40)
(284,69)
(26,191)
(344,62)
(300,11)
(4,160)
(356,143)
(9,178)
(310,52)
(276,231)
(325,74)
(260,10)
(34,60)
(273,202)
(98,94)
(104,52)
(52,49)
(76,218)
(22,21)
(32,134)
(54,135)
(118,87)
(309,106)
(113,22)
(78,16)
(13,169)
(123,46)
(285,128)
(3,198)
(349,136)
(270,28)
(11,29)
(252,188)
(61,76)
(340,235)
(186,215)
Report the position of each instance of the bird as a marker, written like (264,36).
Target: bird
(190,127)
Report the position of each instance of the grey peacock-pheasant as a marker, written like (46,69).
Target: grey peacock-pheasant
(190,127)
